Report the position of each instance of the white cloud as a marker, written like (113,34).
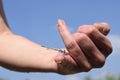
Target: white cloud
(115,40)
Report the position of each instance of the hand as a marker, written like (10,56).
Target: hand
(86,49)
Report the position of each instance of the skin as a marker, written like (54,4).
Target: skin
(86,49)
(89,46)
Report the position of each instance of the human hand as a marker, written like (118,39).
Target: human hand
(86,49)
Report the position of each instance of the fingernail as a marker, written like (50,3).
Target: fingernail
(60,22)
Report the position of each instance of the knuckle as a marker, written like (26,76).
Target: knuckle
(100,62)
(106,25)
(80,37)
(83,28)
(110,49)
(103,27)
(90,31)
(87,68)
(83,36)
(71,45)
(106,28)
(76,35)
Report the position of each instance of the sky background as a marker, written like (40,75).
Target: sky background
(36,20)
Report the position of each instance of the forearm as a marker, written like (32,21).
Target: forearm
(20,54)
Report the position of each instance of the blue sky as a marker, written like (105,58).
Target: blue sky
(36,20)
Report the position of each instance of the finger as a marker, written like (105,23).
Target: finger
(102,43)
(64,32)
(102,27)
(94,56)
(71,45)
